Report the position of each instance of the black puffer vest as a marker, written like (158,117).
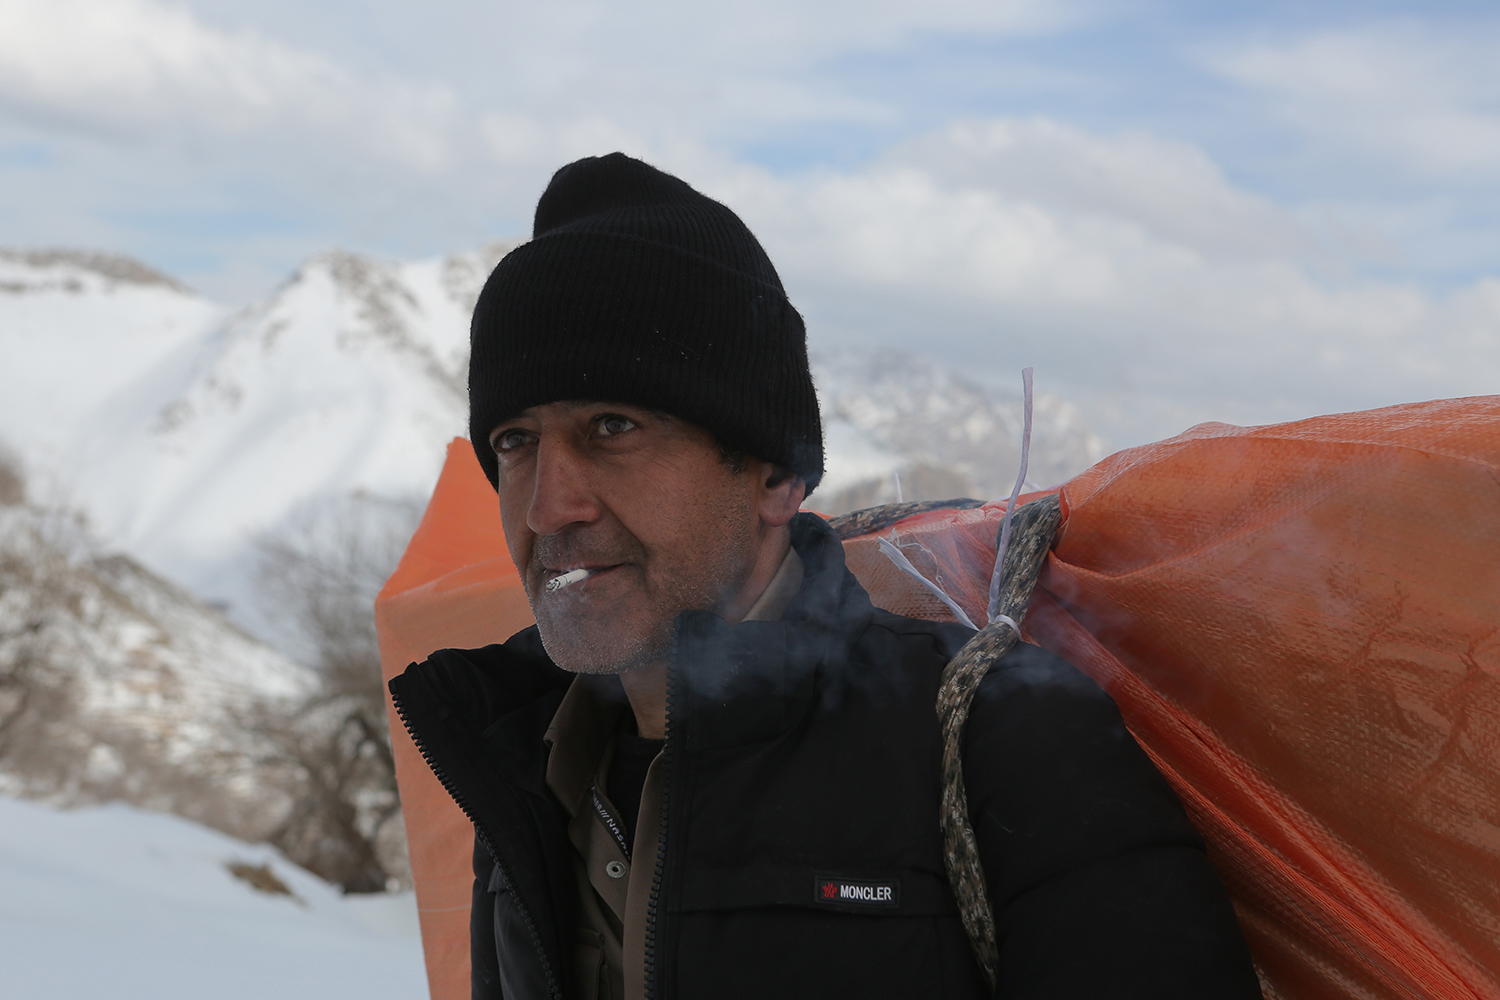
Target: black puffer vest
(799,853)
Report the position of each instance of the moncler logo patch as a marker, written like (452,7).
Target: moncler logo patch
(846,892)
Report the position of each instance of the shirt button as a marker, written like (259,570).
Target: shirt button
(614,870)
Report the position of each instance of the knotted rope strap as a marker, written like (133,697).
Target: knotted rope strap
(863,522)
(1032,531)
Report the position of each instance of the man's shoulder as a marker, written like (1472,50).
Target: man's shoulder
(1025,668)
(485,683)
(1032,676)
(519,663)
(946,638)
(1034,701)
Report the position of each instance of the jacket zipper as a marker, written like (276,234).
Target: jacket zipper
(489,845)
(653,976)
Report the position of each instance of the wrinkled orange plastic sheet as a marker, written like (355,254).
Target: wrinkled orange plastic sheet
(1300,623)
(456,587)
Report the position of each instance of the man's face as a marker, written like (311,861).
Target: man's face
(643,500)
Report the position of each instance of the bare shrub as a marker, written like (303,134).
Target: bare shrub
(260,877)
(344,811)
(320,573)
(12,480)
(37,693)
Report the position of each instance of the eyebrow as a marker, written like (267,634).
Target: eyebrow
(569,404)
(572,404)
(583,404)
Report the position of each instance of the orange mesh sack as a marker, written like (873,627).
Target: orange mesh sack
(1301,625)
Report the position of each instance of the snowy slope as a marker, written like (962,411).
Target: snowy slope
(115,902)
(75,329)
(351,378)
(115,683)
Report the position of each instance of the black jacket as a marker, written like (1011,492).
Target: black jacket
(803,754)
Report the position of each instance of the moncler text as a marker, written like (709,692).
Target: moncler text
(847,892)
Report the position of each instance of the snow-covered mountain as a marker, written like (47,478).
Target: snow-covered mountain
(890,414)
(186,432)
(77,329)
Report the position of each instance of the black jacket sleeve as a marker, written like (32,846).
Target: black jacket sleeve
(1099,883)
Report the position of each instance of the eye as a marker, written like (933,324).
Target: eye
(510,440)
(612,424)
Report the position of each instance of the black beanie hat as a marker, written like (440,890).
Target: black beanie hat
(634,288)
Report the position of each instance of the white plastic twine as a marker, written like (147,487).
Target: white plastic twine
(1010,510)
(898,557)
(1007,619)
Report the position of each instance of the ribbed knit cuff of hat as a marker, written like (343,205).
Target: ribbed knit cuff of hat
(591,316)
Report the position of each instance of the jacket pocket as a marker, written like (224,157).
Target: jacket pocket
(588,967)
(522,975)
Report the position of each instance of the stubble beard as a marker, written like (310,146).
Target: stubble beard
(606,644)
(585,638)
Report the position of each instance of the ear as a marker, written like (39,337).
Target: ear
(779,493)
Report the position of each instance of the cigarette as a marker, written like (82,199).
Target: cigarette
(572,576)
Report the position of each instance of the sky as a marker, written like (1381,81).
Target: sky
(1175,211)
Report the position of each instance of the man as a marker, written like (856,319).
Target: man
(712,768)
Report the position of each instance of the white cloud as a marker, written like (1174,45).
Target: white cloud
(514,140)
(130,67)
(1169,188)
(1426,98)
(678,70)
(1033,211)
(1117,261)
(654,35)
(1119,265)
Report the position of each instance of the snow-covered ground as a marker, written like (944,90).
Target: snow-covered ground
(115,902)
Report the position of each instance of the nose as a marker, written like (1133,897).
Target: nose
(561,495)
